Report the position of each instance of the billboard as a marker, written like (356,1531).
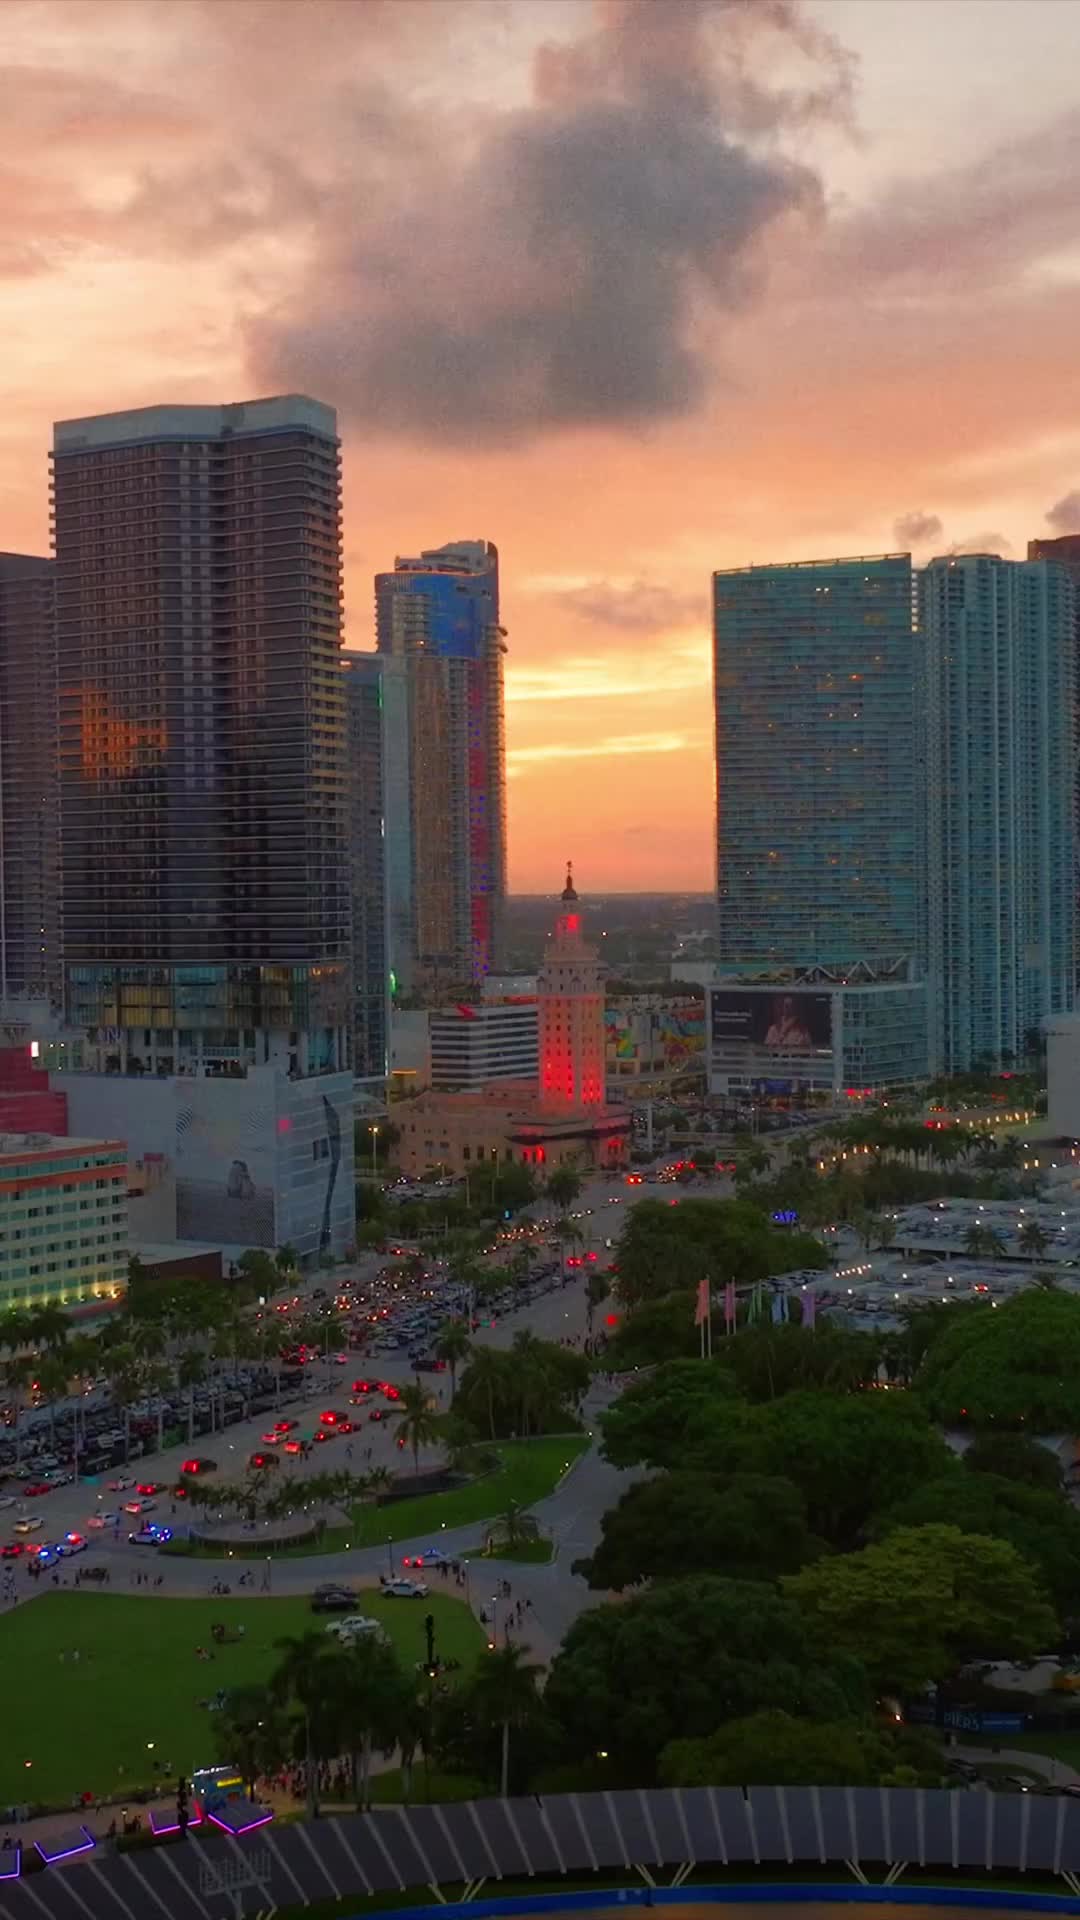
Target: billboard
(772,1025)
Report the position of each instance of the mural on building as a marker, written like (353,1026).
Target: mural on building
(225,1162)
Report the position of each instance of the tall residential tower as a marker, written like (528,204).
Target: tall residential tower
(1000,832)
(29,848)
(816,776)
(438,614)
(202,735)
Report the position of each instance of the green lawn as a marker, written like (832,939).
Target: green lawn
(530,1470)
(87,1725)
(532,1553)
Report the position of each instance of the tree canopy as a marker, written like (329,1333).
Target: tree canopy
(748,1527)
(917,1605)
(773,1748)
(1014,1366)
(1042,1526)
(1014,1456)
(663,1249)
(680,1659)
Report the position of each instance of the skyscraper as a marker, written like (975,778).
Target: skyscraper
(367,824)
(1000,837)
(207,913)
(29,851)
(439,613)
(816,773)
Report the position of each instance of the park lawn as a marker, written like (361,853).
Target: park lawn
(86,1726)
(531,1553)
(530,1470)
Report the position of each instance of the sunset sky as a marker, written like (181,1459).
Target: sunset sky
(635,289)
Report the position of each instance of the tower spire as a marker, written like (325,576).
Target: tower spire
(568,890)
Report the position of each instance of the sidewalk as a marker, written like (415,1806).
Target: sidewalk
(1044,1764)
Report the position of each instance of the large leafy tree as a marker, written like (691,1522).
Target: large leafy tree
(666,1419)
(679,1659)
(531,1388)
(252,1732)
(663,1249)
(773,1748)
(1042,1526)
(1014,1456)
(749,1528)
(920,1603)
(1014,1367)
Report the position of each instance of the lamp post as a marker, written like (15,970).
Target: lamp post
(374,1132)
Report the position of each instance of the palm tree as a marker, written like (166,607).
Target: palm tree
(49,1327)
(190,1373)
(308,1677)
(453,1345)
(976,1242)
(17,1375)
(995,1245)
(567,1233)
(251,1731)
(373,1695)
(503,1694)
(15,1330)
(563,1187)
(123,1375)
(886,1231)
(597,1288)
(417,1424)
(530,1373)
(510,1530)
(286,1259)
(487,1377)
(1033,1238)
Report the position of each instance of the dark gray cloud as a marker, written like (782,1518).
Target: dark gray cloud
(1064,517)
(915,529)
(982,543)
(545,266)
(639,608)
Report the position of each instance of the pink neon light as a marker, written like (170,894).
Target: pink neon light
(263,1821)
(50,1859)
(194,1820)
(14,1874)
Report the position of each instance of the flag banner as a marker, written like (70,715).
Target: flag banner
(754,1310)
(730,1310)
(809,1310)
(779,1309)
(701,1311)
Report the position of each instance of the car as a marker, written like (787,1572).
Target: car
(378,1414)
(97,1521)
(294,1446)
(345,1426)
(330,1418)
(272,1438)
(431,1557)
(118,1486)
(392,1393)
(331,1598)
(427,1363)
(72,1543)
(31,1523)
(401,1589)
(138,1506)
(265,1460)
(197,1466)
(363,1386)
(7,1500)
(285,1426)
(356,1627)
(150,1536)
(34,1489)
(12,1549)
(322,1435)
(149,1488)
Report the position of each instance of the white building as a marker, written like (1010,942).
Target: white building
(1063,1076)
(63,1220)
(474,1045)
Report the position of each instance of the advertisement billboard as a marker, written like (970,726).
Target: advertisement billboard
(772,1025)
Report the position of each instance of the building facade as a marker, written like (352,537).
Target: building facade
(438,613)
(817,772)
(367,852)
(471,1046)
(63,1220)
(999,696)
(570,999)
(202,749)
(29,814)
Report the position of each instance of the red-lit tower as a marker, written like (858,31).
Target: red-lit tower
(570,994)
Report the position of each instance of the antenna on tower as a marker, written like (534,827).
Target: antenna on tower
(568,890)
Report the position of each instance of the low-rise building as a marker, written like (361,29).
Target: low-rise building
(63,1220)
(471,1046)
(462,1133)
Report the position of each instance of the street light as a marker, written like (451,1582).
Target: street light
(374,1132)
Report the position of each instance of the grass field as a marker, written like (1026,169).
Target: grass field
(88,1725)
(530,1470)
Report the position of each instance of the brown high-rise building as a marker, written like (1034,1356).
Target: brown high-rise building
(202,759)
(29,908)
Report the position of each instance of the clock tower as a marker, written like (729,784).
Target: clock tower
(570,997)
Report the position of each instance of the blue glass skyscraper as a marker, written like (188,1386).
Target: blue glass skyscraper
(999,699)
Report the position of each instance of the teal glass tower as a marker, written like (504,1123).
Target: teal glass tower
(999,698)
(816,766)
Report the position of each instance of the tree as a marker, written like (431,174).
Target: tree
(308,1679)
(683,1657)
(372,1696)
(563,1187)
(748,1527)
(1013,1456)
(502,1694)
(286,1259)
(775,1749)
(1033,1239)
(532,1388)
(251,1732)
(1040,1523)
(483,1382)
(1016,1366)
(568,1234)
(261,1269)
(917,1605)
(49,1327)
(597,1289)
(977,1242)
(190,1373)
(453,1345)
(664,1249)
(665,1421)
(417,1423)
(511,1529)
